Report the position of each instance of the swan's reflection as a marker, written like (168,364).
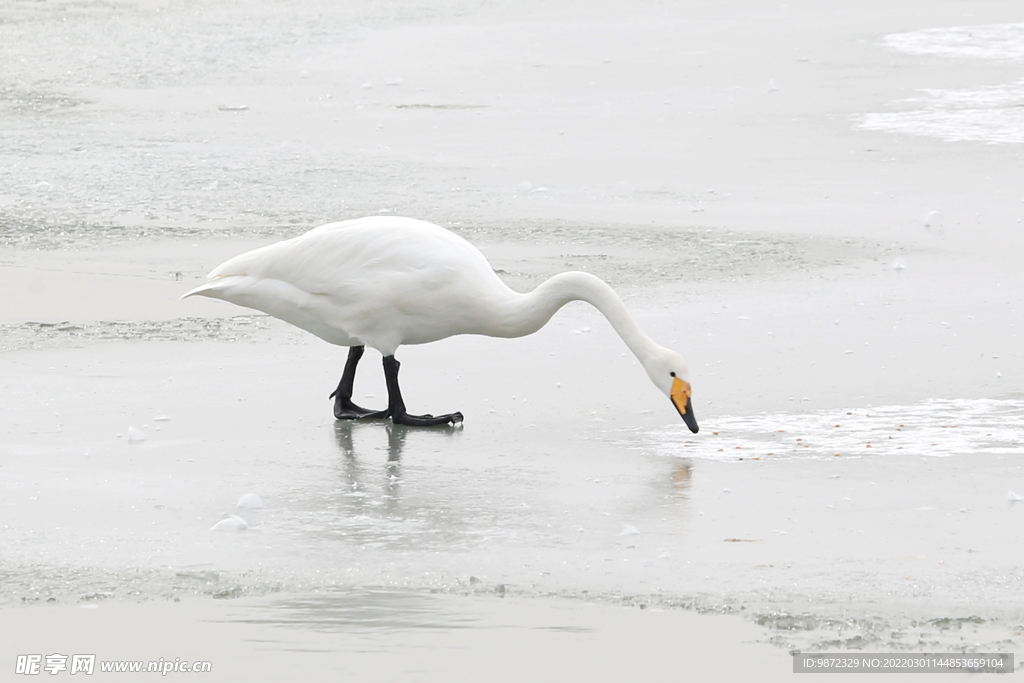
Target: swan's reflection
(682,474)
(343,430)
(358,475)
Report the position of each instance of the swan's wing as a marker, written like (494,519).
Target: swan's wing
(370,257)
(383,280)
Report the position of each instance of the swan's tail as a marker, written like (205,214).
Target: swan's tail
(215,288)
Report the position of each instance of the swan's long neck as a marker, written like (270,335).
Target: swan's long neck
(526,313)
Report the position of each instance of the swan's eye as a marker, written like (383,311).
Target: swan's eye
(672,373)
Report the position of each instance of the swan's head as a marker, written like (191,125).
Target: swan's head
(670,374)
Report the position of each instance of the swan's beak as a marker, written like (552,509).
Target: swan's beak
(681,392)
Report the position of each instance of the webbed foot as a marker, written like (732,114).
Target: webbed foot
(404,418)
(345,409)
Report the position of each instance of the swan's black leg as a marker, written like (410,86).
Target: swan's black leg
(344,408)
(396,406)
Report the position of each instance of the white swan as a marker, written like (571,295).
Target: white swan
(385,281)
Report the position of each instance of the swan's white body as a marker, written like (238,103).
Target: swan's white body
(387,281)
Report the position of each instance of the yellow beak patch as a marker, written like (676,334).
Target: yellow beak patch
(681,393)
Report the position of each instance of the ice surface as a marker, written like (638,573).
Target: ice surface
(128,178)
(934,428)
(567,507)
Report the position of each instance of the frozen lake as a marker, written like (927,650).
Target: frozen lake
(817,205)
